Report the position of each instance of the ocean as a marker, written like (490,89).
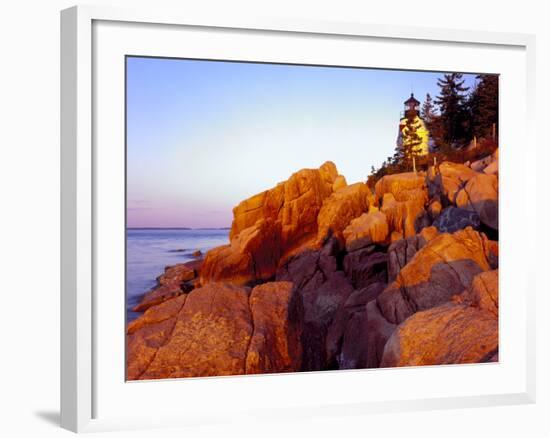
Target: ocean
(149,251)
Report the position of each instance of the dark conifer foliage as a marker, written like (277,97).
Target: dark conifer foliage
(483,106)
(428,110)
(453,109)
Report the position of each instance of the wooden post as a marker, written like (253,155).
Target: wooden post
(414,164)
(475,142)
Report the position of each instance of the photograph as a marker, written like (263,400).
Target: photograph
(285,218)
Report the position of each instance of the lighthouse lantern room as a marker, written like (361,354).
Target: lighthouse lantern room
(412,106)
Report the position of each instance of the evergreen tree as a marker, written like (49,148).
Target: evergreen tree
(431,120)
(428,110)
(453,108)
(483,105)
(411,140)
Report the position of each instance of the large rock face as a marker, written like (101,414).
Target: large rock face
(322,289)
(270,226)
(295,203)
(403,197)
(405,217)
(379,330)
(319,309)
(403,186)
(482,293)
(210,337)
(219,329)
(447,334)
(275,346)
(347,338)
(480,194)
(442,268)
(402,251)
(367,229)
(303,200)
(250,257)
(449,179)
(148,333)
(364,267)
(339,209)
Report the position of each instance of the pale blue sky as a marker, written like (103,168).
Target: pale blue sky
(204,135)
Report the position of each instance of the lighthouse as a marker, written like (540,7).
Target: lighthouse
(412,107)
(410,120)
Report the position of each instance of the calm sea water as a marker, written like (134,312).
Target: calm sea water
(148,251)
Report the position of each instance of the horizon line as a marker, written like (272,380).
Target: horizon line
(178,228)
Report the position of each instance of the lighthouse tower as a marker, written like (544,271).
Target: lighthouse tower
(412,112)
(412,107)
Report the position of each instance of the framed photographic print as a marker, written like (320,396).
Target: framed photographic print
(252,209)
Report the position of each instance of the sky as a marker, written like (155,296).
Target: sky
(204,135)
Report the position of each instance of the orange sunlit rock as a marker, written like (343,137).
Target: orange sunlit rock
(339,209)
(365,230)
(444,267)
(339,183)
(271,225)
(148,333)
(402,251)
(169,284)
(447,334)
(406,217)
(294,203)
(403,186)
(210,336)
(449,179)
(480,194)
(218,329)
(275,344)
(482,293)
(251,256)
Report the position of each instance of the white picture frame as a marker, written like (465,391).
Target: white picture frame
(81,168)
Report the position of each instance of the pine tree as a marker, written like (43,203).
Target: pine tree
(453,108)
(428,110)
(411,140)
(431,120)
(483,105)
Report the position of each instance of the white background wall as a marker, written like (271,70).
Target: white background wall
(29,217)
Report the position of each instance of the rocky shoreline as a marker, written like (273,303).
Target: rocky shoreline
(322,275)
